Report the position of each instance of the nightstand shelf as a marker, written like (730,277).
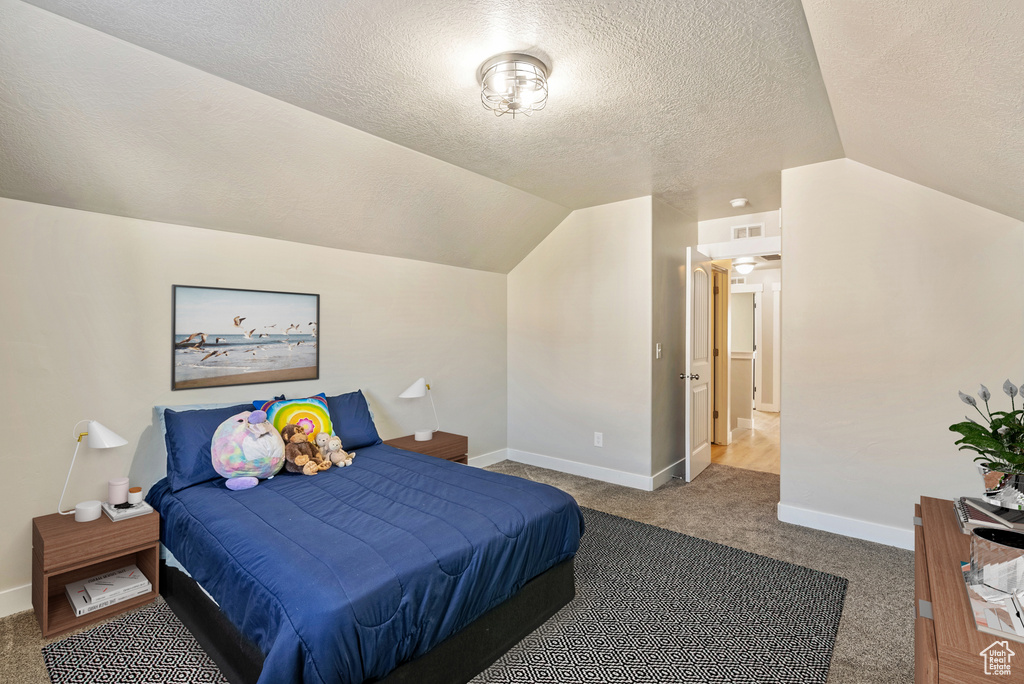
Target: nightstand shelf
(446,445)
(65,551)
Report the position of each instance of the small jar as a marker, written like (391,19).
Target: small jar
(117,491)
(135,495)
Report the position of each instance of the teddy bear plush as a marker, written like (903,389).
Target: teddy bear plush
(300,455)
(336,454)
(321,440)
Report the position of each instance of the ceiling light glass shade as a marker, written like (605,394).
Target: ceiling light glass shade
(513,83)
(744,268)
(739,202)
(416,390)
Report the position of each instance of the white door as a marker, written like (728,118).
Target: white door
(697,370)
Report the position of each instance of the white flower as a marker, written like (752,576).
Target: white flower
(1010,389)
(967,399)
(984,394)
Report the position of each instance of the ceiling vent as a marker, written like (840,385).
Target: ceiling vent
(737,281)
(771,257)
(754,230)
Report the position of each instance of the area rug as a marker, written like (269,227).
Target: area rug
(147,646)
(655,606)
(652,606)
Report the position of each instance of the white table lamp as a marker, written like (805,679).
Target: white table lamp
(99,437)
(418,390)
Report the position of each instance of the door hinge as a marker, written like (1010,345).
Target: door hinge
(716,352)
(716,289)
(716,415)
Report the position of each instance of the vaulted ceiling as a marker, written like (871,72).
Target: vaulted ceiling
(358,124)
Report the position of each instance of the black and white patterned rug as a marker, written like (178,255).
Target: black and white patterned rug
(147,646)
(652,606)
(655,606)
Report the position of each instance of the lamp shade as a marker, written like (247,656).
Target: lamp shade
(416,390)
(101,437)
(745,267)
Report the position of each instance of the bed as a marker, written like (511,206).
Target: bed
(366,572)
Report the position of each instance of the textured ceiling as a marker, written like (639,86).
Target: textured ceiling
(695,102)
(930,90)
(91,122)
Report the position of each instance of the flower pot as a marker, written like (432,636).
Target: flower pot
(1001,488)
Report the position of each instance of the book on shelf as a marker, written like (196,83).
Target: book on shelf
(75,591)
(970,517)
(994,612)
(114,583)
(1009,517)
(115,514)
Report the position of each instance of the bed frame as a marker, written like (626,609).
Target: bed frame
(455,660)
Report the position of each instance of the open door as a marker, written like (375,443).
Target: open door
(697,370)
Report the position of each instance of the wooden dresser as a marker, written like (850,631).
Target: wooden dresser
(947,646)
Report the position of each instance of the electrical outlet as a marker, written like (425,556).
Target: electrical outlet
(599,439)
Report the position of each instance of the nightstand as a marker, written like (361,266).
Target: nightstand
(65,551)
(444,445)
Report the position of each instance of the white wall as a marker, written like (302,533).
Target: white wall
(720,230)
(580,344)
(86,305)
(671,233)
(741,391)
(897,296)
(767,277)
(741,322)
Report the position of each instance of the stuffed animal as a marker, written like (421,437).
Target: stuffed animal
(245,449)
(321,440)
(300,456)
(336,454)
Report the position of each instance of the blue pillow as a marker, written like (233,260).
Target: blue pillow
(351,419)
(188,435)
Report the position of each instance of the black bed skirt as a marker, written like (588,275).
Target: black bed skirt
(454,661)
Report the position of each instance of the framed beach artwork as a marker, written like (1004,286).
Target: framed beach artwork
(223,337)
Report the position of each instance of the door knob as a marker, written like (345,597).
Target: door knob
(692,376)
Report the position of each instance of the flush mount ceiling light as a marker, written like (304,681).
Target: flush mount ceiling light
(744,267)
(739,202)
(513,83)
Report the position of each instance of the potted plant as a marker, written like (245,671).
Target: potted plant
(998,439)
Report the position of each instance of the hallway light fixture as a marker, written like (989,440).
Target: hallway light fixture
(513,83)
(744,267)
(739,202)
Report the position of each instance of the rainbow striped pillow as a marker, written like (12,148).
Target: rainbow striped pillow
(311,413)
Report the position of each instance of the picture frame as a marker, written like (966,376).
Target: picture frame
(224,336)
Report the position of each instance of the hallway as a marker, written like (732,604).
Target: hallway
(756,449)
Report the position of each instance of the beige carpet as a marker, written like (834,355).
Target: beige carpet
(726,505)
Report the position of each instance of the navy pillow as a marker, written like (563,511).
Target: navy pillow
(188,435)
(352,421)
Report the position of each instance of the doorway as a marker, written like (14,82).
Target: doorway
(747,435)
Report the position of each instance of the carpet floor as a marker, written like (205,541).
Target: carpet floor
(727,505)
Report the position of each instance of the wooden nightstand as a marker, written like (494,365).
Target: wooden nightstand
(66,551)
(444,445)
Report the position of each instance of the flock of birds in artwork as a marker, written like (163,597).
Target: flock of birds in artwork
(191,344)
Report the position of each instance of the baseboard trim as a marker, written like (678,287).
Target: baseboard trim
(644,482)
(484,460)
(744,423)
(667,474)
(768,408)
(15,600)
(848,527)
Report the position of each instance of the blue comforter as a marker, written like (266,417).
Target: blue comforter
(344,575)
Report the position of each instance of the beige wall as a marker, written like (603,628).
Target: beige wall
(896,297)
(767,277)
(671,233)
(720,230)
(741,322)
(579,340)
(741,390)
(86,305)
